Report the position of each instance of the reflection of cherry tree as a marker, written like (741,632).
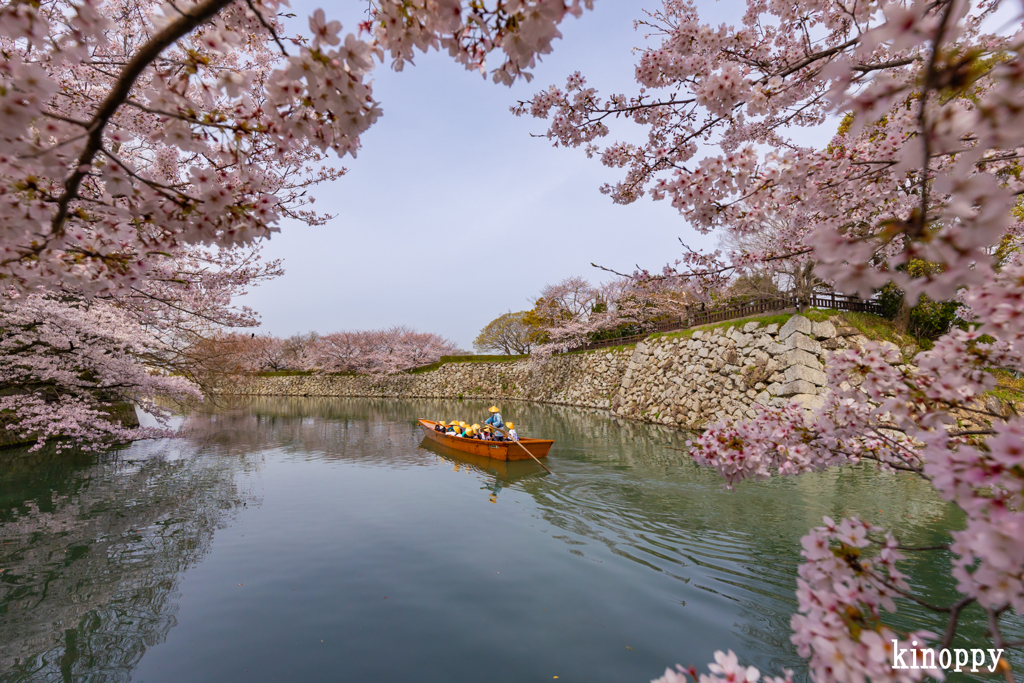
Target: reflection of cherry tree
(89,588)
(925,165)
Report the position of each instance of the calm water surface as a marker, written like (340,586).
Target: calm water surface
(321,540)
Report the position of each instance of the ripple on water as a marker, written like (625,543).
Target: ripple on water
(289,535)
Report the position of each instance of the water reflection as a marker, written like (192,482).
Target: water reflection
(92,549)
(641,546)
(631,488)
(497,474)
(322,424)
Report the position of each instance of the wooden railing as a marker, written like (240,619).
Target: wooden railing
(699,314)
(841,302)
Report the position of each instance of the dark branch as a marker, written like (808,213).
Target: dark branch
(119,94)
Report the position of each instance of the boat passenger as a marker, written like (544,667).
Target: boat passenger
(440,426)
(495,419)
(513,435)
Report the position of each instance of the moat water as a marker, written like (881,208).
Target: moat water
(322,540)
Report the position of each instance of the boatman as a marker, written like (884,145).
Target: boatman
(495,419)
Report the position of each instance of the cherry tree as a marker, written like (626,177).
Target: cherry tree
(240,353)
(385,351)
(574,312)
(69,360)
(133,126)
(572,298)
(926,101)
(745,251)
(147,147)
(65,363)
(189,298)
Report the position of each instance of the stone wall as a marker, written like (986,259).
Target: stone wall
(580,379)
(687,380)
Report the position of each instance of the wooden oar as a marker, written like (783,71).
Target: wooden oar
(524,448)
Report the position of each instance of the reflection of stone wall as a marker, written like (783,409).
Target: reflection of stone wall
(679,381)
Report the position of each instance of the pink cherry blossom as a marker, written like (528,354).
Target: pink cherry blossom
(924,166)
(146,150)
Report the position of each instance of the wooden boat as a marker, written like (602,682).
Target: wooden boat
(499,450)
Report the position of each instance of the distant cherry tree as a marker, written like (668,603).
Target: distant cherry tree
(385,351)
(573,312)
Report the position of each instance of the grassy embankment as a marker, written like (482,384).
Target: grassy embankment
(871,326)
(1010,388)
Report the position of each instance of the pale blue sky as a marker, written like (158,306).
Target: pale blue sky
(452,213)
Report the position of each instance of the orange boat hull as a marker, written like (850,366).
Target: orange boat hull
(499,450)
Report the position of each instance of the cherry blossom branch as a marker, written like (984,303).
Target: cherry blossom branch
(270,29)
(119,92)
(954,619)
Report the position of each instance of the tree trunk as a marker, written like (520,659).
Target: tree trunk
(902,320)
(803,284)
